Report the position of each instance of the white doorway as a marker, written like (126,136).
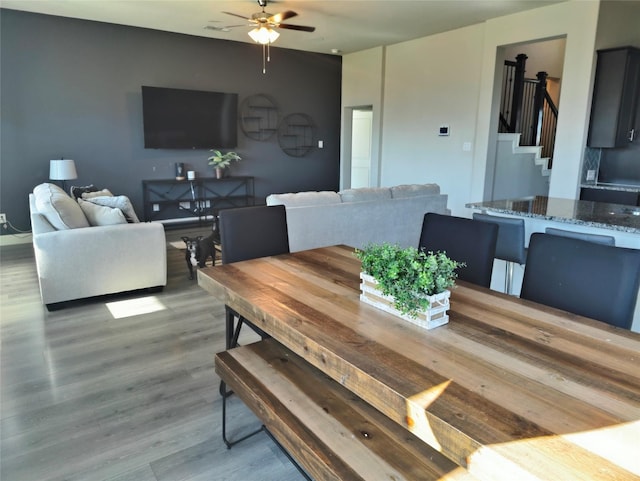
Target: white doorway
(361,146)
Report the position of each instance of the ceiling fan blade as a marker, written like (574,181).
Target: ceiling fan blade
(236,15)
(224,28)
(282,16)
(302,28)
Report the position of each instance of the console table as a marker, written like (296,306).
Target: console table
(173,201)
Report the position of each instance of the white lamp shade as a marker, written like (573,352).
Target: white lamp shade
(64,169)
(264,35)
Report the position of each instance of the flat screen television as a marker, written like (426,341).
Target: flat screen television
(189,119)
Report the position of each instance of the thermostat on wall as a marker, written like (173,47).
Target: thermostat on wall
(444,130)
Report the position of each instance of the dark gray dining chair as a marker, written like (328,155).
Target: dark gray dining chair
(252,232)
(464,240)
(248,233)
(510,244)
(585,278)
(598,238)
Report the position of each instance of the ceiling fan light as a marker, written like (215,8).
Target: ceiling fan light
(263,35)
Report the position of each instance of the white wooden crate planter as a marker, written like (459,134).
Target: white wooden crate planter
(435,316)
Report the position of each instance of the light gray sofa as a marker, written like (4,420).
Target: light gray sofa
(75,260)
(356,217)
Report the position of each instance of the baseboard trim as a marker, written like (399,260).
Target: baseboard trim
(13,239)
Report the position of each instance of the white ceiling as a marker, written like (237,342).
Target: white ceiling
(348,26)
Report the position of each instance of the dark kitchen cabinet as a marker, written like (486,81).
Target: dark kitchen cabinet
(610,196)
(616,98)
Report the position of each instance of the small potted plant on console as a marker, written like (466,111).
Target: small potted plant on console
(221,161)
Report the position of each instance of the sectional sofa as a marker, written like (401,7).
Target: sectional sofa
(356,217)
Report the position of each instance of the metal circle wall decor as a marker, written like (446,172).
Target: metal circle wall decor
(296,134)
(259,117)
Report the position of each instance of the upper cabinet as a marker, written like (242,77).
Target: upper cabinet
(616,99)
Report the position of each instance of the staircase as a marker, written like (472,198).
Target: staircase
(527,108)
(520,171)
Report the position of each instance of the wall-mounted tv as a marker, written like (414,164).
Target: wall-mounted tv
(189,119)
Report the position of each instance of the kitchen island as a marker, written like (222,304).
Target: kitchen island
(539,212)
(619,221)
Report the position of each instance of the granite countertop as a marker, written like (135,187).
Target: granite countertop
(618,217)
(618,187)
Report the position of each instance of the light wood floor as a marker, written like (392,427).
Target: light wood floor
(87,396)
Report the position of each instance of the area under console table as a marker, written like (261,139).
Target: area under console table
(184,201)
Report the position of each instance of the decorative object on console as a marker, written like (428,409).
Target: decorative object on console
(221,161)
(63,169)
(179,170)
(407,282)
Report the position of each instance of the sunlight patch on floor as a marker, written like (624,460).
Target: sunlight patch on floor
(135,307)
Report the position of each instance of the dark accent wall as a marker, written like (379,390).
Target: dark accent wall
(71,88)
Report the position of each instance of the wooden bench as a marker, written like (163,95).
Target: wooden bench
(332,433)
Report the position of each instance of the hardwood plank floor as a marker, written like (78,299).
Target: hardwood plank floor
(85,395)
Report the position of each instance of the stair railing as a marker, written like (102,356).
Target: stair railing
(527,108)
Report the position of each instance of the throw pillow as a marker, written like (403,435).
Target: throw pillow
(77,191)
(96,193)
(58,207)
(121,202)
(100,215)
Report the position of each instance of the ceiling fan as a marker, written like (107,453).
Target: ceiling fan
(265,27)
(267,20)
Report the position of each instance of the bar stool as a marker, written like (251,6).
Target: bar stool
(510,245)
(606,240)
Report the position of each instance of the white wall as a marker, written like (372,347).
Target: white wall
(364,87)
(577,21)
(618,24)
(430,82)
(449,79)
(546,56)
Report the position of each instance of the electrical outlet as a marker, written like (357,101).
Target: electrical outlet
(3,218)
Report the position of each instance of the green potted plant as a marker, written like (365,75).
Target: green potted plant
(221,161)
(408,280)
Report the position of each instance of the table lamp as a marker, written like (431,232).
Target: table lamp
(63,169)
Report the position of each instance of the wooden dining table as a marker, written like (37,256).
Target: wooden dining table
(508,389)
